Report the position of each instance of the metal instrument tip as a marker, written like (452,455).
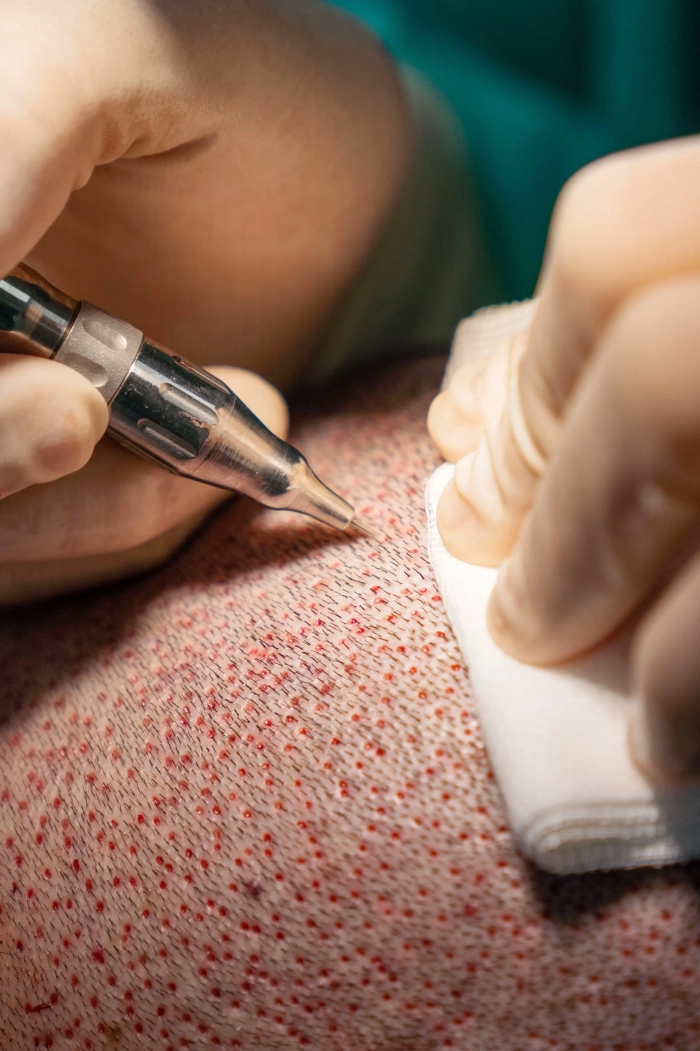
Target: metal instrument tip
(358,526)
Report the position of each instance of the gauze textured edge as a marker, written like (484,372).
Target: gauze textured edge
(477,336)
(557,739)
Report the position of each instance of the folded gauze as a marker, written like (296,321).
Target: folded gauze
(557,738)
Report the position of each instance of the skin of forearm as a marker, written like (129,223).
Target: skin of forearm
(234,245)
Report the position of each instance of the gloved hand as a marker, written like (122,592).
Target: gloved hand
(581,470)
(214,173)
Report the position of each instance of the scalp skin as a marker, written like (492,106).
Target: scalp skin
(244,803)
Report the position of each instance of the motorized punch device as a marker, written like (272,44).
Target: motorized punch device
(161,406)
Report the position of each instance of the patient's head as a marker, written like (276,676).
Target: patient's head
(244,803)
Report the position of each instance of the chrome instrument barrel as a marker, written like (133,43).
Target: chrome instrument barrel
(161,406)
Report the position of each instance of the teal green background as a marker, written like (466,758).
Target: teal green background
(542,87)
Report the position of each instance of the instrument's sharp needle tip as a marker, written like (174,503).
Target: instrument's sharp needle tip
(358,526)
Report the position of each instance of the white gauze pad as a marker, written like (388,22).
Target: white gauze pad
(557,738)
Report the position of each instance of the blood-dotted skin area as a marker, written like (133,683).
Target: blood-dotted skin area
(244,803)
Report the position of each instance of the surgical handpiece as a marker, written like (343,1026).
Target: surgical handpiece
(161,406)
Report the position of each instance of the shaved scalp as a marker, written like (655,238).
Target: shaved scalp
(244,803)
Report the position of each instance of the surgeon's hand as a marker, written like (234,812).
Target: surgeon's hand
(582,473)
(213,172)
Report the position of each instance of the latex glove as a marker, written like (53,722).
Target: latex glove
(214,173)
(583,471)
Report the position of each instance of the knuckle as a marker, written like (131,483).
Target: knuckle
(626,220)
(651,349)
(584,243)
(452,432)
(439,408)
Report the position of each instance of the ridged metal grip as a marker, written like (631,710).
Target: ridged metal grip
(162,407)
(187,420)
(101,348)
